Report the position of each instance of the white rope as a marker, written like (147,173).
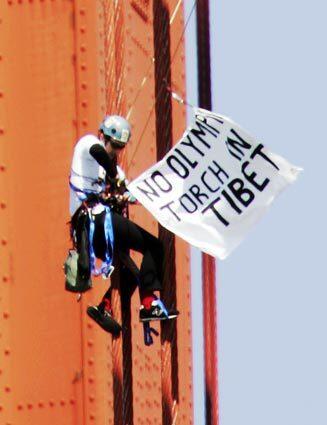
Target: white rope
(175,12)
(146,77)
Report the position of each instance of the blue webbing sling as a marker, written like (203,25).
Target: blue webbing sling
(106,267)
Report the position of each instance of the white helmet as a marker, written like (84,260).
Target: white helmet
(117,128)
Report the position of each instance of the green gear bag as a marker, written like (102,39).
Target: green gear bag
(75,280)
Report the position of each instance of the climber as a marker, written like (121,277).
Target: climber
(97,187)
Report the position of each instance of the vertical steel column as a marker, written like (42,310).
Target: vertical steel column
(162,374)
(123,283)
(164,124)
(208,262)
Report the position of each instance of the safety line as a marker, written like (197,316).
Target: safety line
(175,12)
(179,98)
(160,90)
(183,32)
(145,78)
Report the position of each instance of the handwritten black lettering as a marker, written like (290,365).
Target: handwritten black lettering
(258,151)
(196,192)
(212,207)
(251,178)
(192,164)
(235,146)
(177,166)
(161,181)
(168,206)
(191,207)
(148,193)
(242,194)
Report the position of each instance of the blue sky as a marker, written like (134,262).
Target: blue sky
(269,75)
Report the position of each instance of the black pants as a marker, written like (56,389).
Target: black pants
(128,235)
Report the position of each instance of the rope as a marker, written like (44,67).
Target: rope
(145,78)
(175,12)
(162,87)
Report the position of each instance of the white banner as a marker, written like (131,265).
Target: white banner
(214,184)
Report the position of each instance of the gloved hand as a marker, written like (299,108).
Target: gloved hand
(121,178)
(129,197)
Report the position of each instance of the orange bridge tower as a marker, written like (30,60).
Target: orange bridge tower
(63,65)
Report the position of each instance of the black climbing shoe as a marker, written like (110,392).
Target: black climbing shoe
(157,312)
(104,319)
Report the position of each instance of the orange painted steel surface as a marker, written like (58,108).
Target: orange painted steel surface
(63,64)
(41,356)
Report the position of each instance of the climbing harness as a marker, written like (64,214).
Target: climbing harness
(106,268)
